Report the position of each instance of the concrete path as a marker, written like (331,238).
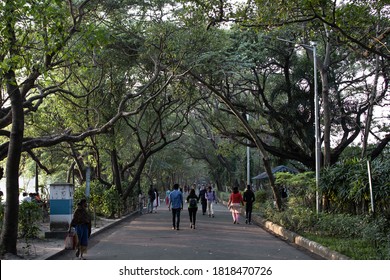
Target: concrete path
(150,237)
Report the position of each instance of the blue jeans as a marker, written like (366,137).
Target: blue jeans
(150,205)
(176,217)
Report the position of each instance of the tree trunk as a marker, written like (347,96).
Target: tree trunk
(11,214)
(70,173)
(370,111)
(115,171)
(79,163)
(326,116)
(136,178)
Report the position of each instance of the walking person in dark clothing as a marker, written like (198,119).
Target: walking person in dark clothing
(151,198)
(82,222)
(249,199)
(192,200)
(203,200)
(176,203)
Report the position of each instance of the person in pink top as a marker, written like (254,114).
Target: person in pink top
(234,204)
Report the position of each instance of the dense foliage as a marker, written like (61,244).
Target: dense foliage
(348,225)
(29,218)
(158,92)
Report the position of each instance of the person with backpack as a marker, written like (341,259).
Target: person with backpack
(192,200)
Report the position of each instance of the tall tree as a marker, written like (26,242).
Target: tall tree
(338,41)
(362,26)
(50,60)
(31,39)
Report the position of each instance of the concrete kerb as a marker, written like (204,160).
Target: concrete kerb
(301,241)
(293,237)
(95,232)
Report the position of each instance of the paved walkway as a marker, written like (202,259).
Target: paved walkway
(150,236)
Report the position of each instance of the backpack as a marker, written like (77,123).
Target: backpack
(193,202)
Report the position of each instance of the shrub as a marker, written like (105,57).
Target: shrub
(341,225)
(299,219)
(111,202)
(260,196)
(346,186)
(30,214)
(79,193)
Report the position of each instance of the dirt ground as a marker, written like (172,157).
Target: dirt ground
(42,248)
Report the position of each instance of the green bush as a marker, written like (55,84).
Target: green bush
(346,186)
(105,201)
(111,202)
(299,219)
(341,225)
(368,237)
(97,197)
(301,187)
(30,214)
(79,193)
(260,196)
(357,236)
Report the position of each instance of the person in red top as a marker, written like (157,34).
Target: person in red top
(234,204)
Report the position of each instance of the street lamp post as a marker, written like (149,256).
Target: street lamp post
(248,161)
(316,126)
(313,47)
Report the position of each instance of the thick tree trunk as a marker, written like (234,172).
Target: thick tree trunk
(79,163)
(136,178)
(370,112)
(115,171)
(11,214)
(326,116)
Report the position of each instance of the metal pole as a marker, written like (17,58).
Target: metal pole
(37,178)
(248,163)
(313,46)
(248,167)
(371,191)
(317,127)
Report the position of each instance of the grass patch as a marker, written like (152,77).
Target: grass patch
(357,249)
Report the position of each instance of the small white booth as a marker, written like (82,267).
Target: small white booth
(61,206)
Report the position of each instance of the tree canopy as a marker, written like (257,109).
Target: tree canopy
(141,92)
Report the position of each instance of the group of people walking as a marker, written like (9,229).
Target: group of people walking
(208,198)
(176,204)
(81,221)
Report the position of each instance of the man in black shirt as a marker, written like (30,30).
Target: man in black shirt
(151,198)
(249,199)
(203,201)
